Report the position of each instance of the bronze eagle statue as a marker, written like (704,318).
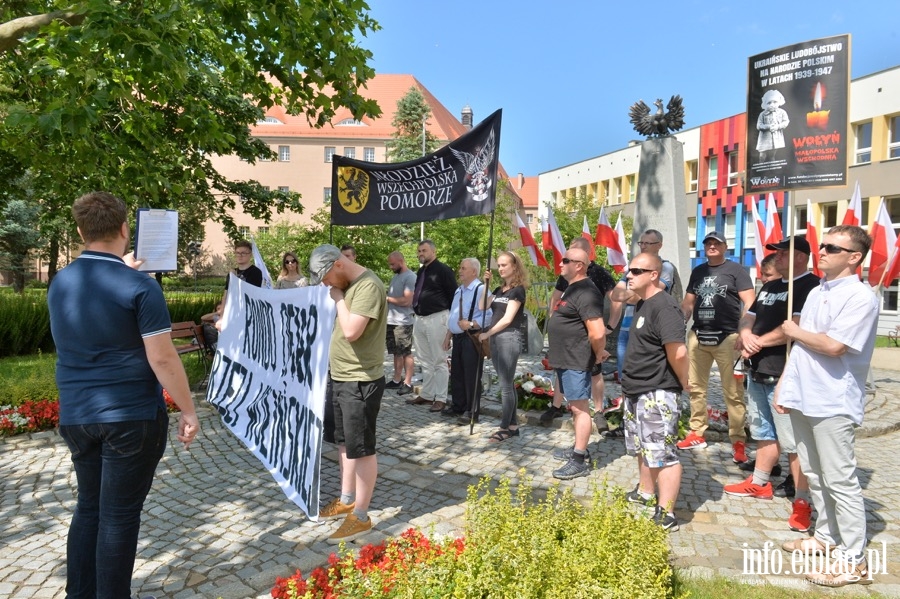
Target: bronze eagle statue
(658,124)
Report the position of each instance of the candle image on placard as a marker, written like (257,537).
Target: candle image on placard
(818,118)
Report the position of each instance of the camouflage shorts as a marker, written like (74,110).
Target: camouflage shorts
(651,427)
(399,339)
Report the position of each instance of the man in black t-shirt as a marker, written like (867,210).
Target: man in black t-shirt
(764,344)
(654,374)
(577,337)
(246,270)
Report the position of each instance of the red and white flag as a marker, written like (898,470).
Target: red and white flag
(893,270)
(586,233)
(545,234)
(853,215)
(759,250)
(773,222)
(616,256)
(812,236)
(556,241)
(884,244)
(537,256)
(605,236)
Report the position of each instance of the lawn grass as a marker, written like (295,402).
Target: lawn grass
(727,588)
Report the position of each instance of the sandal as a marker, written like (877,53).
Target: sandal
(503,435)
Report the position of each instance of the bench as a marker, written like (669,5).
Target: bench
(193,332)
(894,335)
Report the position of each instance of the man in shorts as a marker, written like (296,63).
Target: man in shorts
(654,374)
(357,378)
(400,323)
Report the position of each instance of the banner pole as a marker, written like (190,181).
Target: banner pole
(331,233)
(479,372)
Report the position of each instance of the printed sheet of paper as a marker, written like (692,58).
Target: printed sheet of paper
(156,240)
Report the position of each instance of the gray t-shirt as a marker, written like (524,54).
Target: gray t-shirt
(399,284)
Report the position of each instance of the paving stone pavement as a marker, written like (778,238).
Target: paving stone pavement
(216,524)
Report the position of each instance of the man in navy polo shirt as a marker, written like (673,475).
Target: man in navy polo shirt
(111,327)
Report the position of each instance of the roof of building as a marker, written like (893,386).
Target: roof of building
(526,188)
(387,90)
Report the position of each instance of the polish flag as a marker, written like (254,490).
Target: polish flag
(884,243)
(545,235)
(586,233)
(773,222)
(812,236)
(759,250)
(261,265)
(605,235)
(616,256)
(537,256)
(556,241)
(853,215)
(893,270)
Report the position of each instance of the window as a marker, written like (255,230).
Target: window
(369,154)
(351,123)
(326,195)
(618,183)
(349,152)
(604,191)
(262,230)
(729,232)
(265,188)
(269,120)
(800,219)
(863,142)
(829,215)
(712,177)
(284,189)
(244,231)
(529,218)
(693,174)
(734,169)
(894,137)
(632,188)
(284,153)
(329,153)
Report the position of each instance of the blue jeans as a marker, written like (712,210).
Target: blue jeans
(114,466)
(505,348)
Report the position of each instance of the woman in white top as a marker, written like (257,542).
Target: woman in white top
(290,276)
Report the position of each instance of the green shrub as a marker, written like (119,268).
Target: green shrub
(184,305)
(28,378)
(24,324)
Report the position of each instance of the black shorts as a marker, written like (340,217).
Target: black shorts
(356,407)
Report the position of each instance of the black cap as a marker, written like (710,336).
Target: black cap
(714,235)
(800,244)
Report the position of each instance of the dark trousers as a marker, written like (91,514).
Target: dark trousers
(465,374)
(114,466)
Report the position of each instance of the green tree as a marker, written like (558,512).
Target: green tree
(136,97)
(409,122)
(19,236)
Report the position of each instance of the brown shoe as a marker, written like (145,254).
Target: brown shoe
(336,509)
(351,528)
(438,406)
(418,400)
(838,576)
(806,545)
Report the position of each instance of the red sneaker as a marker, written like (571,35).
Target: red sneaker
(692,441)
(801,516)
(748,489)
(739,452)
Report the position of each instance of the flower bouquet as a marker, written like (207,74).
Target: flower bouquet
(533,391)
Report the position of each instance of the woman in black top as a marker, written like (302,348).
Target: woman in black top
(505,333)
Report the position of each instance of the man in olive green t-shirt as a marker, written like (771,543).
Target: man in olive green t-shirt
(357,375)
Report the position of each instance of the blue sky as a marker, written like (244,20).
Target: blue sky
(565,73)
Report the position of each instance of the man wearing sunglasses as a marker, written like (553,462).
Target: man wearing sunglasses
(718,293)
(823,389)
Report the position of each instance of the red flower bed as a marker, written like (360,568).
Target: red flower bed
(30,417)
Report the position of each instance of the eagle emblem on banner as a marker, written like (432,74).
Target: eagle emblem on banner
(478,174)
(353,189)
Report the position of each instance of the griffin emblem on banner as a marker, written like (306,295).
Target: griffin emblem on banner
(478,176)
(660,123)
(353,189)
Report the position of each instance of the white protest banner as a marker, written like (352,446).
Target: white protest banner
(268,380)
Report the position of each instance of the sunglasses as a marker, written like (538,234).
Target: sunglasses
(290,262)
(830,248)
(568,260)
(639,271)
(643,243)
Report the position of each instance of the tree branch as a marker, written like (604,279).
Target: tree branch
(11,32)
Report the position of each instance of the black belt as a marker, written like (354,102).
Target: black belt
(459,335)
(762,378)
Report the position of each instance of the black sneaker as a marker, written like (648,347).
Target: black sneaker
(601,423)
(465,419)
(393,385)
(664,519)
(786,488)
(573,469)
(751,466)
(564,454)
(635,497)
(551,413)
(616,433)
(403,389)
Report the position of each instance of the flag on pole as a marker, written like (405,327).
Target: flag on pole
(557,246)
(812,236)
(605,235)
(260,264)
(884,242)
(893,270)
(545,234)
(537,256)
(586,233)
(773,222)
(759,250)
(617,257)
(853,215)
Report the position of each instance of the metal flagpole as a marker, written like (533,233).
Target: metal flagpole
(479,373)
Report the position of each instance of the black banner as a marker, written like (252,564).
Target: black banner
(457,180)
(797,113)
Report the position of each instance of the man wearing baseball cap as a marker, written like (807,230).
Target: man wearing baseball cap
(357,376)
(718,293)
